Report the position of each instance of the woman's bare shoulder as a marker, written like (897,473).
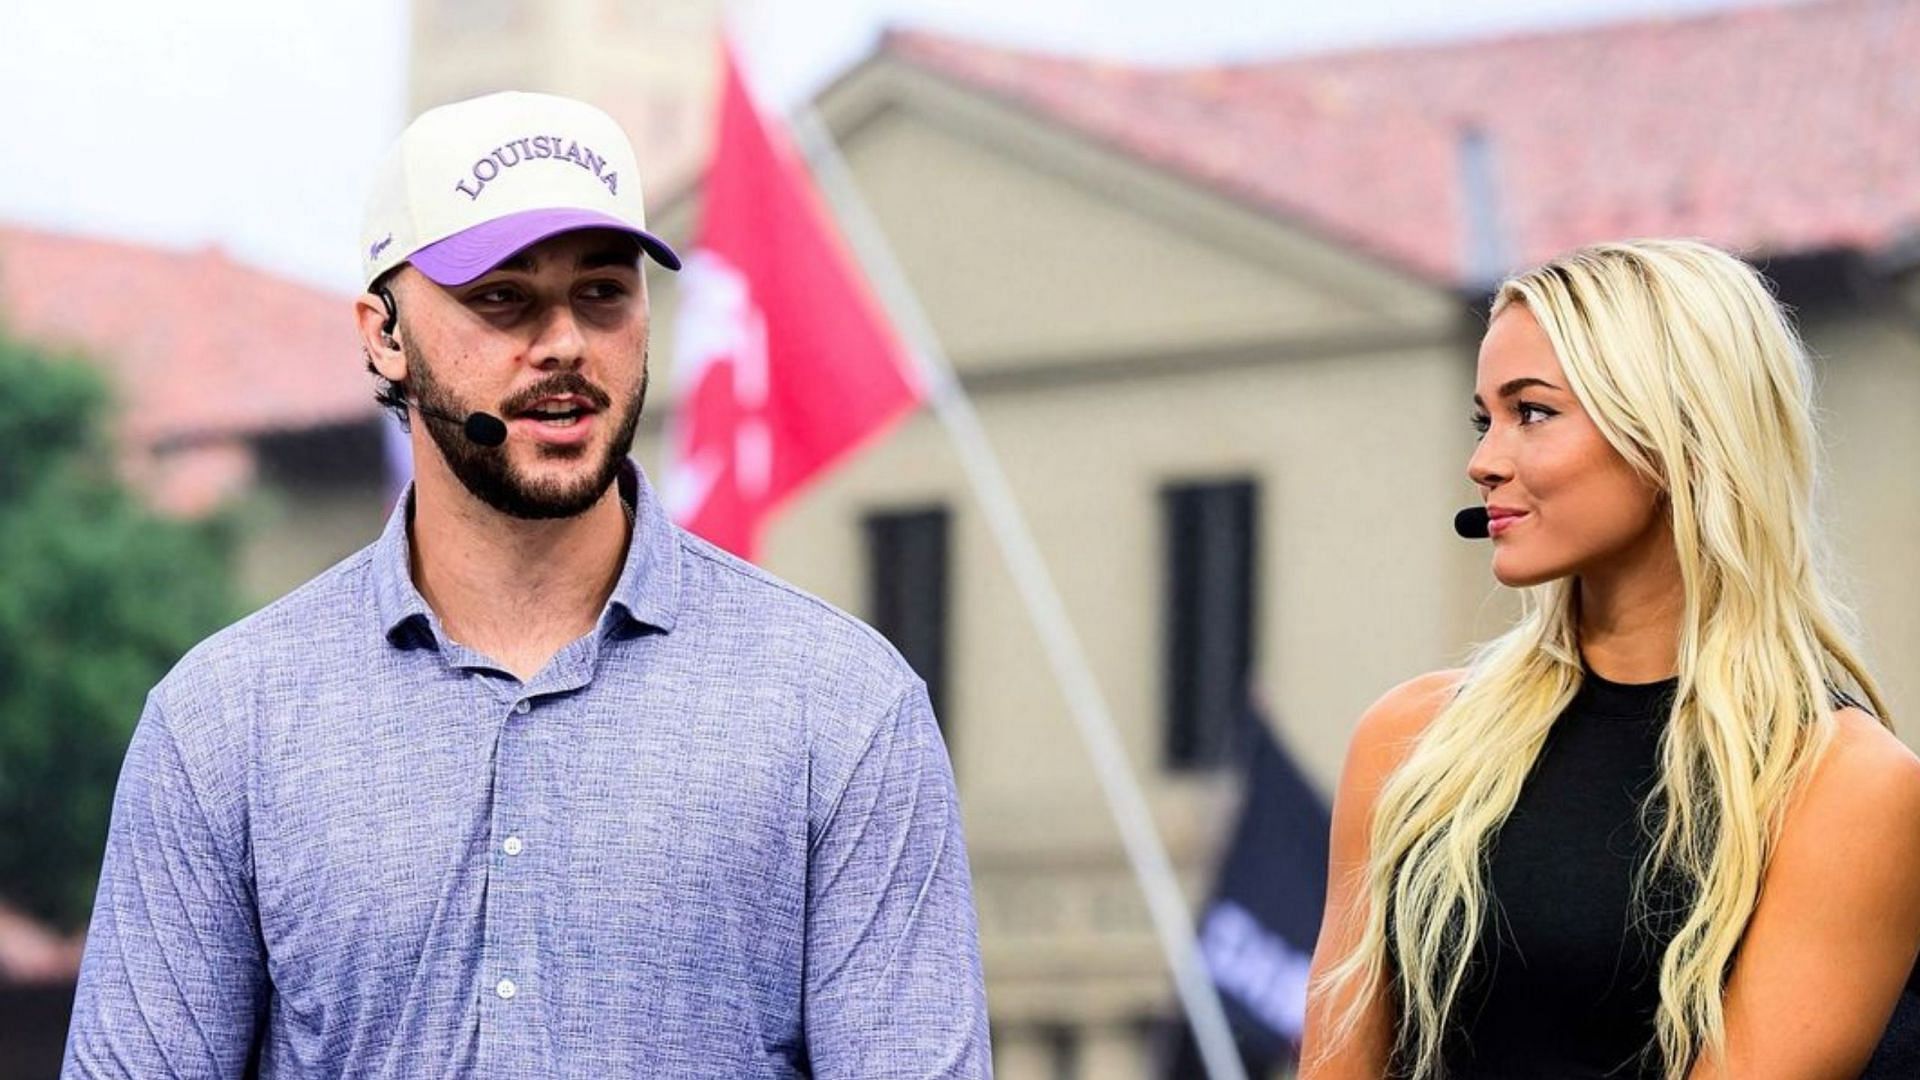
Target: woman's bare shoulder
(1866,770)
(1406,709)
(1865,788)
(1390,727)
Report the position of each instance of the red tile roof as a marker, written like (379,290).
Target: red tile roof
(198,348)
(198,345)
(1771,129)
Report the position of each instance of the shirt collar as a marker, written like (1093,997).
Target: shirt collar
(647,592)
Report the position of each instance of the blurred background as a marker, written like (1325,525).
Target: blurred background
(1213,274)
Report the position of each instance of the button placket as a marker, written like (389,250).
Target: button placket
(513,845)
(513,959)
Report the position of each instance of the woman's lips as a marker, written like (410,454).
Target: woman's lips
(1501,523)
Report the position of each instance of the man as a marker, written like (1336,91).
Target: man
(537,785)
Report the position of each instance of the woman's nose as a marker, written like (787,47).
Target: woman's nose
(1490,466)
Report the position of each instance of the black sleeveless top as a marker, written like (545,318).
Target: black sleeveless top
(1564,980)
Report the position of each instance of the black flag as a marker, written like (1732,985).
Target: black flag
(1257,933)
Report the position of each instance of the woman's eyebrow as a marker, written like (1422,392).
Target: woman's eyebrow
(1514,386)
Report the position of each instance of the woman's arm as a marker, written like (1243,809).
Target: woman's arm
(1835,933)
(1381,740)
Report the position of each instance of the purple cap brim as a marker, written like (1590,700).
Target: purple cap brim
(472,252)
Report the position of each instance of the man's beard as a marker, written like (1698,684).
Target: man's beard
(489,473)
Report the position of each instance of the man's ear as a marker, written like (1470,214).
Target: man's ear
(373,314)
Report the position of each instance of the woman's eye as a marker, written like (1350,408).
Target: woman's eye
(1480,422)
(1528,408)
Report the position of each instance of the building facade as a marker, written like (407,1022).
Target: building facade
(1220,327)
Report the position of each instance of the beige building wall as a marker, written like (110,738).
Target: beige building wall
(1868,370)
(292,533)
(651,64)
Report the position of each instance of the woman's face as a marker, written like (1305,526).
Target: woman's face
(1560,499)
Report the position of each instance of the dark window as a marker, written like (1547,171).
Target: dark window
(1064,1043)
(907,591)
(1211,540)
(349,456)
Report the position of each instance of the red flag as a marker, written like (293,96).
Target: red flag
(783,363)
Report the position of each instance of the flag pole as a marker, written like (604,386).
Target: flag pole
(1172,919)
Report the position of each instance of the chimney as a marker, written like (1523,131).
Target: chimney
(1485,255)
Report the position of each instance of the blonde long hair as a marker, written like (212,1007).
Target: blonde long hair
(1689,368)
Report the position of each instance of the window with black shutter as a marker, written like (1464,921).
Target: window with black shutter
(1211,540)
(907,576)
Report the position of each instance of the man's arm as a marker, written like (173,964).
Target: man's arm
(893,978)
(174,976)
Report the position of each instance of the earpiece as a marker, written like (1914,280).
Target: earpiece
(393,318)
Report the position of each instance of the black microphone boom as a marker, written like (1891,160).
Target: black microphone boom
(484,429)
(1471,523)
(480,428)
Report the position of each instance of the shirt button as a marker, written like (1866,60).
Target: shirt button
(523,707)
(506,989)
(512,846)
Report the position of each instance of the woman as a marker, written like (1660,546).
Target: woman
(1646,832)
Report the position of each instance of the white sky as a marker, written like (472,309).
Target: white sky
(255,125)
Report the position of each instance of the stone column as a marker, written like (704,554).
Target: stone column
(1113,1051)
(1023,1053)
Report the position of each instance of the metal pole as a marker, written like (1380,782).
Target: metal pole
(1151,867)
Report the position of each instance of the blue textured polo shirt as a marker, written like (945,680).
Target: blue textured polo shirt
(715,837)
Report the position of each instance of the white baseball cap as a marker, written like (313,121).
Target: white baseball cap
(469,184)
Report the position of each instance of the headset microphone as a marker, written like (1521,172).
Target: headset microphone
(484,429)
(1471,523)
(480,428)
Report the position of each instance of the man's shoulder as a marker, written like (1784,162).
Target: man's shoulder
(293,631)
(206,705)
(754,612)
